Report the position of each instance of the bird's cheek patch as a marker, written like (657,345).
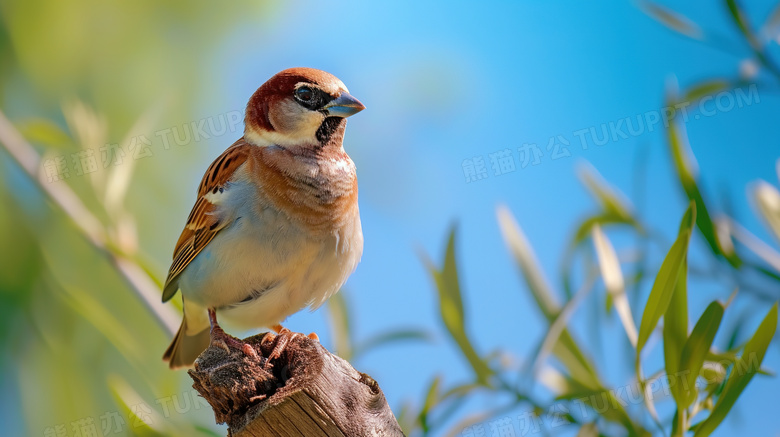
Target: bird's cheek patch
(292,119)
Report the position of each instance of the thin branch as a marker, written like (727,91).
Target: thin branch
(88,225)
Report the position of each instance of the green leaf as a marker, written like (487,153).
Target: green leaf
(730,358)
(696,349)
(672,19)
(613,281)
(767,199)
(675,331)
(615,210)
(566,349)
(339,318)
(706,88)
(529,266)
(45,132)
(605,404)
(583,231)
(665,282)
(683,163)
(390,337)
(431,399)
(586,226)
(772,23)
(740,20)
(406,417)
(459,391)
(207,431)
(677,425)
(451,310)
(742,373)
(588,430)
(610,199)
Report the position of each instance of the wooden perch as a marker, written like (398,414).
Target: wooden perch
(307,391)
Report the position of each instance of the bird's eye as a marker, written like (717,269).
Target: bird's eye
(304,94)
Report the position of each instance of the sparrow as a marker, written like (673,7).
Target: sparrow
(275,227)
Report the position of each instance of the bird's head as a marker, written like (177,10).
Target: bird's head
(299,108)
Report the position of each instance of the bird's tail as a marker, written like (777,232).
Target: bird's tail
(191,340)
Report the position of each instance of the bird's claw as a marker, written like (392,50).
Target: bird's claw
(222,340)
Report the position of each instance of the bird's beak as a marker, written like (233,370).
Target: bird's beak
(344,106)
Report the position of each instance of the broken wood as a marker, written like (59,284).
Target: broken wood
(307,391)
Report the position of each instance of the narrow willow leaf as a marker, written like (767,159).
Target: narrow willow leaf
(118,180)
(723,233)
(688,220)
(128,399)
(558,325)
(742,373)
(566,349)
(767,199)
(386,338)
(771,27)
(451,309)
(756,245)
(608,406)
(580,236)
(675,330)
(459,391)
(663,289)
(685,165)
(405,417)
(777,166)
(741,21)
(677,426)
(613,280)
(207,431)
(706,88)
(44,132)
(588,430)
(613,203)
(339,318)
(557,382)
(731,358)
(431,399)
(526,261)
(586,226)
(696,349)
(671,19)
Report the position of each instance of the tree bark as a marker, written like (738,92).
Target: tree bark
(306,391)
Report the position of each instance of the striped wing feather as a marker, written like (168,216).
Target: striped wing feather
(203,224)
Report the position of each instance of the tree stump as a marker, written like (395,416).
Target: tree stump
(307,391)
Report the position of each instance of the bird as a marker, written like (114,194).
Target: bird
(276,226)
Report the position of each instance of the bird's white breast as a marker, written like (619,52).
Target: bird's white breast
(263,251)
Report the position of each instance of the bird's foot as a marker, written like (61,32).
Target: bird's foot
(222,339)
(281,341)
(279,329)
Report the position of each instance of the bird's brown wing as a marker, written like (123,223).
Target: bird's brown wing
(203,223)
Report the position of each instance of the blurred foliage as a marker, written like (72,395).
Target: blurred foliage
(80,353)
(703,381)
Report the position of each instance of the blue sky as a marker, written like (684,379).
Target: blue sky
(448,81)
